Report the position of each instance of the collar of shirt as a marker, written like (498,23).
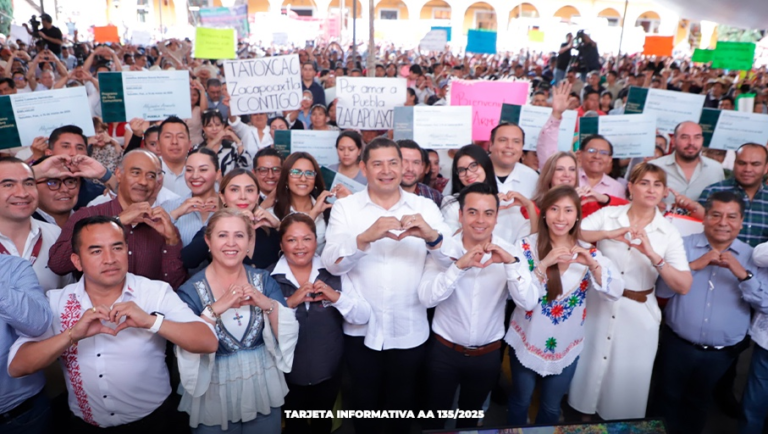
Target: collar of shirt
(656,223)
(405,200)
(32,237)
(737,247)
(169,172)
(282,267)
(605,180)
(85,300)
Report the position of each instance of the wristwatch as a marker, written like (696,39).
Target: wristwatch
(749,276)
(437,241)
(158,322)
(105,178)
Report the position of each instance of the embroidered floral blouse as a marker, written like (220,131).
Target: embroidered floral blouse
(548,336)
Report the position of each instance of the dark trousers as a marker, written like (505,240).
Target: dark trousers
(448,369)
(320,396)
(382,380)
(159,421)
(686,378)
(36,420)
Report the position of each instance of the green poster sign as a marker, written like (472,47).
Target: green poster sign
(702,56)
(737,56)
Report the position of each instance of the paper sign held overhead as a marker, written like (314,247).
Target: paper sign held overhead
(486,99)
(734,55)
(631,135)
(264,85)
(434,127)
(368,103)
(481,42)
(729,129)
(215,43)
(670,107)
(435,40)
(321,144)
(149,95)
(532,119)
(658,45)
(535,35)
(102,35)
(702,56)
(447,31)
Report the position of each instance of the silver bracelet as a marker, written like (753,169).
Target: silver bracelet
(271,308)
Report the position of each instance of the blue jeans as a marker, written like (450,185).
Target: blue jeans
(36,420)
(553,388)
(263,424)
(755,400)
(559,76)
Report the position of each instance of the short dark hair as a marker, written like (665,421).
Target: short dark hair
(354,135)
(173,120)
(728,98)
(754,145)
(416,69)
(267,152)
(505,124)
(154,129)
(310,64)
(613,73)
(584,143)
(590,91)
(14,160)
(724,196)
(380,143)
(9,82)
(212,82)
(208,152)
(66,129)
(280,118)
(479,188)
(46,18)
(539,92)
(90,221)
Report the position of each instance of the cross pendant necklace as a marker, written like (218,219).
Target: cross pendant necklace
(238,317)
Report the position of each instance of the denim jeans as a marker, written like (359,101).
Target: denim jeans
(755,400)
(559,76)
(36,420)
(552,388)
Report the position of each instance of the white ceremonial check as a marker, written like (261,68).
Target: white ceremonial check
(265,85)
(320,144)
(149,95)
(630,135)
(670,107)
(368,103)
(728,129)
(533,118)
(39,113)
(441,127)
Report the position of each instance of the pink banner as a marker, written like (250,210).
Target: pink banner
(486,98)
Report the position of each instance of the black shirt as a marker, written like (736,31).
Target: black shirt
(89,191)
(563,59)
(589,57)
(318,94)
(54,33)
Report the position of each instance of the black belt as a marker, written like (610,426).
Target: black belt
(19,409)
(710,347)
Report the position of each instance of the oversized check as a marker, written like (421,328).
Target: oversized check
(434,127)
(670,107)
(149,95)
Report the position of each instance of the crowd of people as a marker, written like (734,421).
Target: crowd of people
(192,254)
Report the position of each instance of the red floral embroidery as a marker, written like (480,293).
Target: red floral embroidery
(548,356)
(70,316)
(557,311)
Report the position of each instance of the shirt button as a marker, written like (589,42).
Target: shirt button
(706,319)
(609,338)
(98,355)
(130,253)
(101,375)
(165,251)
(111,414)
(131,233)
(613,317)
(105,396)
(622,273)
(605,358)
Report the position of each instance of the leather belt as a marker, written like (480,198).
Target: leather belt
(469,351)
(707,347)
(19,409)
(638,296)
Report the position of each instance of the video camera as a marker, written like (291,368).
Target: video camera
(35,23)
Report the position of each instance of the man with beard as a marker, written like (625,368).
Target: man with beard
(414,166)
(688,172)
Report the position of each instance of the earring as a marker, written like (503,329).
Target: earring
(248,251)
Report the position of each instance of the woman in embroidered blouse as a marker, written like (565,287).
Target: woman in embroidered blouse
(561,169)
(322,303)
(621,338)
(545,339)
(301,189)
(242,388)
(472,164)
(190,213)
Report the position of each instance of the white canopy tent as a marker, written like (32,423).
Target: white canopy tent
(747,14)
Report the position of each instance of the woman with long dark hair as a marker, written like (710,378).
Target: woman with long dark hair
(349,147)
(221,139)
(546,338)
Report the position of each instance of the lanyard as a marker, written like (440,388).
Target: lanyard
(35,250)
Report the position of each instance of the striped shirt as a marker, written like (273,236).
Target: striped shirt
(424,190)
(755,228)
(188,224)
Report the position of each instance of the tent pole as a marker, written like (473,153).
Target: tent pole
(623,22)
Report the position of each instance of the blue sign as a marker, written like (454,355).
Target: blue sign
(447,31)
(481,42)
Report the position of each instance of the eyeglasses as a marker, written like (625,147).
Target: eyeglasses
(598,151)
(461,171)
(296,173)
(55,184)
(265,170)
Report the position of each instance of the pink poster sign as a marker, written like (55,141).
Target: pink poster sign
(486,98)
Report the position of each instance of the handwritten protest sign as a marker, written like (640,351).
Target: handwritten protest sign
(368,103)
(214,43)
(486,99)
(702,56)
(435,40)
(658,45)
(481,42)
(265,85)
(734,55)
(105,34)
(447,31)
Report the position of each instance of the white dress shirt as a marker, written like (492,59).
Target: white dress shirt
(388,272)
(249,135)
(511,224)
(163,196)
(50,233)
(320,226)
(469,304)
(706,173)
(115,380)
(175,183)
